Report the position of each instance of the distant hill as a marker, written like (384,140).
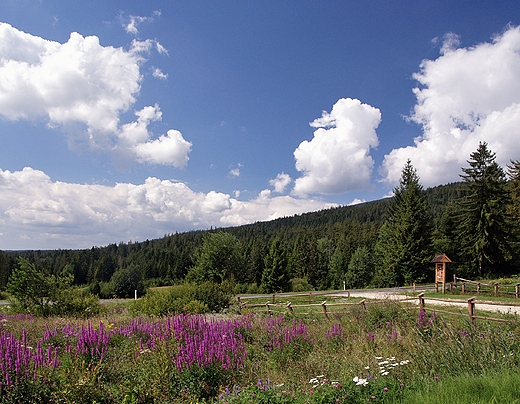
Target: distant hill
(168,259)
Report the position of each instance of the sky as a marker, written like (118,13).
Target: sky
(128,120)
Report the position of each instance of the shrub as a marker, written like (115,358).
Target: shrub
(300,285)
(188,297)
(126,281)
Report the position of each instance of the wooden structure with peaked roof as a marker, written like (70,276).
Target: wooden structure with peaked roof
(440,261)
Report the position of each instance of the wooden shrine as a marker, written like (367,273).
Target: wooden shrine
(440,261)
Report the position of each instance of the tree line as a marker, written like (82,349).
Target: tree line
(389,242)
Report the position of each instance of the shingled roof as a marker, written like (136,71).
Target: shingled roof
(440,258)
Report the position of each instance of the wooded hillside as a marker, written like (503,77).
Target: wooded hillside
(309,239)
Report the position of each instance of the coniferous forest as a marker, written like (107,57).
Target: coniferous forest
(389,242)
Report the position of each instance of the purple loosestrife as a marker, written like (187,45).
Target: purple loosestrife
(282,335)
(92,343)
(207,342)
(18,360)
(335,332)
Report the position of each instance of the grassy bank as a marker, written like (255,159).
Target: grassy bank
(387,353)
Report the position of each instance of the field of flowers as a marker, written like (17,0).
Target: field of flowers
(381,354)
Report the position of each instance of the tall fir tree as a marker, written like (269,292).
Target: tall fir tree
(274,277)
(404,246)
(482,219)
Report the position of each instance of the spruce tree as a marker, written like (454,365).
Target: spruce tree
(404,246)
(274,277)
(482,218)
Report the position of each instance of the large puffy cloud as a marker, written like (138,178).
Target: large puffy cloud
(337,159)
(83,84)
(465,96)
(36,212)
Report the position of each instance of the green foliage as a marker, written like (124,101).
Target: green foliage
(44,295)
(482,222)
(338,269)
(300,285)
(185,298)
(404,246)
(220,258)
(126,281)
(360,269)
(29,287)
(275,277)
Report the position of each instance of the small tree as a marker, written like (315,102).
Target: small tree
(220,258)
(360,269)
(126,281)
(42,294)
(29,287)
(274,277)
(338,269)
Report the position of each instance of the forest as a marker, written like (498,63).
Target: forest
(388,242)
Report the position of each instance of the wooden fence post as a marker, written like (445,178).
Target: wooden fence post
(463,288)
(495,288)
(414,287)
(274,298)
(478,287)
(421,302)
(291,310)
(362,303)
(348,294)
(451,286)
(471,309)
(324,308)
(310,297)
(267,307)
(517,289)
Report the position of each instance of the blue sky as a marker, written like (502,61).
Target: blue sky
(129,120)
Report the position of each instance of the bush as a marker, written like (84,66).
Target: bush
(188,297)
(300,285)
(42,294)
(126,281)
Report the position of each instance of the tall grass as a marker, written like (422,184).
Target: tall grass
(384,352)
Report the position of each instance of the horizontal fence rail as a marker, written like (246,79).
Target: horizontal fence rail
(326,309)
(469,286)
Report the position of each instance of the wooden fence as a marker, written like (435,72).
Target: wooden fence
(469,286)
(326,309)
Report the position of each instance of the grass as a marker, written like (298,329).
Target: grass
(503,387)
(385,352)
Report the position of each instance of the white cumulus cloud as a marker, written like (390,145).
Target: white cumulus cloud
(36,212)
(465,96)
(338,159)
(280,182)
(170,149)
(83,84)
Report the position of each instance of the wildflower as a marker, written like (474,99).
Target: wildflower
(385,389)
(359,381)
(367,367)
